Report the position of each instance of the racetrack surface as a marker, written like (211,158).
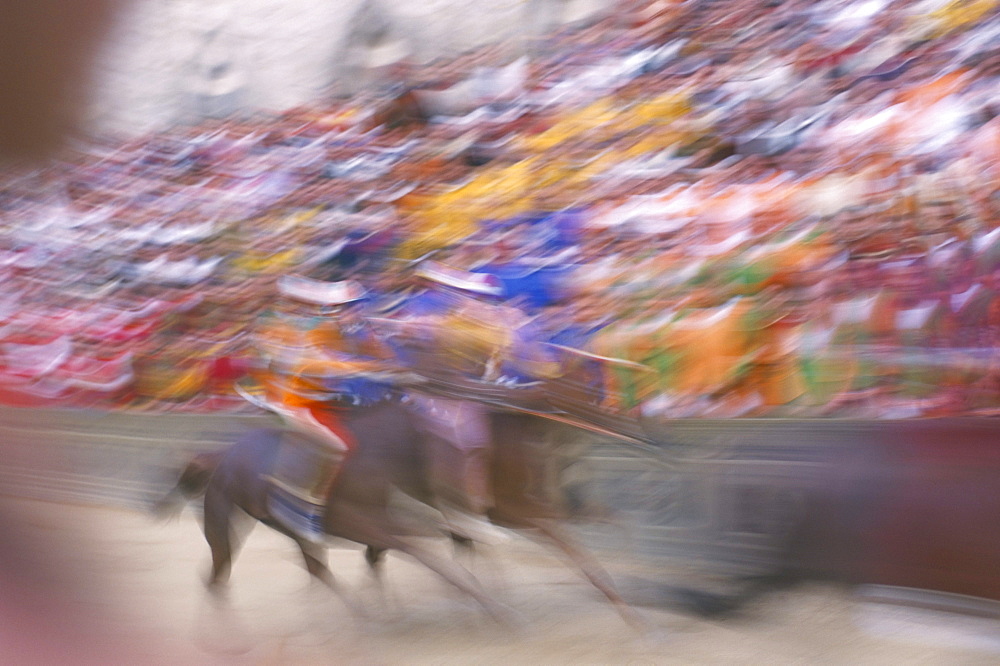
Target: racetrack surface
(140,581)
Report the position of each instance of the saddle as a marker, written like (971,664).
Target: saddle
(303,472)
(299,482)
(289,469)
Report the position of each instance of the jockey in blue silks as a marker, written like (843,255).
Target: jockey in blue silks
(361,341)
(529,358)
(461,326)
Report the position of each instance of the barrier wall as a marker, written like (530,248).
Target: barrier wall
(906,503)
(113,458)
(900,503)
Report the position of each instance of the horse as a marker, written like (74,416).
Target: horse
(389,456)
(392,453)
(526,497)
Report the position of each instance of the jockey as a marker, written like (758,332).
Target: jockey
(320,359)
(458,317)
(456,332)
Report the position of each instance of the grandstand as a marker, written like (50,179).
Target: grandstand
(783,208)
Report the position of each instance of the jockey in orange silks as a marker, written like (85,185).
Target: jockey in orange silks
(319,360)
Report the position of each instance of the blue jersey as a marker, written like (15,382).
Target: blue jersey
(361,342)
(427,303)
(529,357)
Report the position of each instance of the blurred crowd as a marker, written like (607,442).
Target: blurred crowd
(778,208)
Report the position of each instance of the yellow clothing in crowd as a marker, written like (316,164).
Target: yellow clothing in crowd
(171,378)
(958,14)
(264,262)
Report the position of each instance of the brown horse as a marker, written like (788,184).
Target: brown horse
(389,455)
(524,481)
(392,453)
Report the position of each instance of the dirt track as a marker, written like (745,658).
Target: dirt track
(142,581)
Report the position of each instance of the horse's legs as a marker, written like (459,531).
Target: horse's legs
(462,545)
(219,534)
(225,529)
(360,527)
(591,568)
(464,551)
(314,557)
(375,557)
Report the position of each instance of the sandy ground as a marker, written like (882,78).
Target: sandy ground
(140,581)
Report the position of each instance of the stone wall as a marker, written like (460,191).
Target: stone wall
(175,60)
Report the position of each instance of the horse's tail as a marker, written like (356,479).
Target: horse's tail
(191,485)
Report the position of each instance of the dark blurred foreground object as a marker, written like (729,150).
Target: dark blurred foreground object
(46,49)
(911,504)
(57,606)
